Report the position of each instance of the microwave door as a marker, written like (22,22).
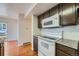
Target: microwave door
(52,21)
(48,24)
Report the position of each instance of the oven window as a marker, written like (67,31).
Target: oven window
(48,23)
(45,45)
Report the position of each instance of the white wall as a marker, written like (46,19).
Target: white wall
(25,30)
(7,17)
(71,32)
(6,10)
(36,30)
(11,13)
(11,28)
(3,10)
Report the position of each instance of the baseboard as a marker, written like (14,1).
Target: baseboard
(27,43)
(24,44)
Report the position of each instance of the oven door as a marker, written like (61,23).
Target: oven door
(46,47)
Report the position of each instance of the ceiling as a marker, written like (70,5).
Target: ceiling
(20,7)
(32,8)
(42,7)
(14,9)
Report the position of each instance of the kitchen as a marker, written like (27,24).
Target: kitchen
(52,29)
(41,29)
(57,31)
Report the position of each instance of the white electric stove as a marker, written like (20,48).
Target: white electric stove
(46,43)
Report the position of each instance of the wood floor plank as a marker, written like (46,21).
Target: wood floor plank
(11,48)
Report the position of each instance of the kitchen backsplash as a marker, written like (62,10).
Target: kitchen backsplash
(69,32)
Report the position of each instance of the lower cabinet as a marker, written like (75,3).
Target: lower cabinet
(1,50)
(61,53)
(35,43)
(62,50)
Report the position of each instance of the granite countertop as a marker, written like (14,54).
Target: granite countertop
(36,35)
(69,43)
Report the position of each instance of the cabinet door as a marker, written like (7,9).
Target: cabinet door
(54,10)
(77,12)
(1,49)
(46,14)
(68,14)
(61,53)
(66,49)
(40,18)
(35,43)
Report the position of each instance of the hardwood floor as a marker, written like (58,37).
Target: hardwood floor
(26,51)
(11,48)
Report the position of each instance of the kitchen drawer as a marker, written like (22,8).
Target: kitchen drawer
(61,53)
(65,49)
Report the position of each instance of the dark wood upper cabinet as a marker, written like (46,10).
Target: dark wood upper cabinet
(40,18)
(77,12)
(46,14)
(67,14)
(54,10)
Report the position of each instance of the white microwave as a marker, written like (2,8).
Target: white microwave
(52,21)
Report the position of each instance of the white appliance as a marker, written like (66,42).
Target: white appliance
(46,47)
(52,21)
(46,43)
